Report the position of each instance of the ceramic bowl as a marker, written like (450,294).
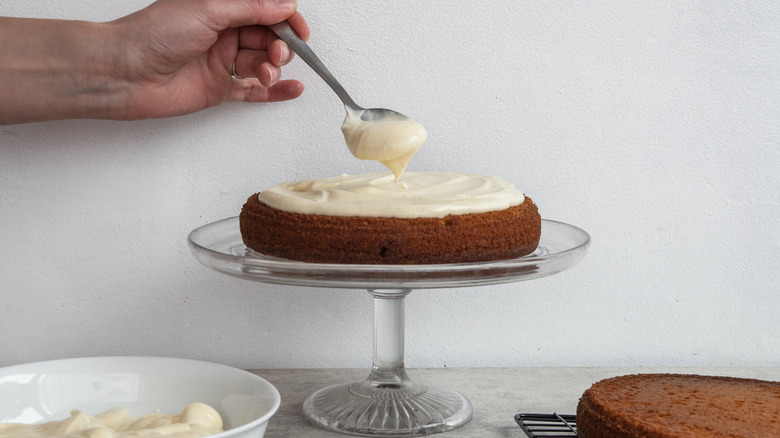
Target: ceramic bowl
(46,391)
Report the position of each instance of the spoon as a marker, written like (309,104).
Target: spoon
(285,32)
(376,134)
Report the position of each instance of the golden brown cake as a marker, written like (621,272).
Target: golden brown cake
(678,405)
(372,219)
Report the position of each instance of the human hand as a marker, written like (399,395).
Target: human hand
(176,56)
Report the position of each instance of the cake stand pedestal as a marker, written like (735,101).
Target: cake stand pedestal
(387,402)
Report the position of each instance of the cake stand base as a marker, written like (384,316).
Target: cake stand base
(387,403)
(394,409)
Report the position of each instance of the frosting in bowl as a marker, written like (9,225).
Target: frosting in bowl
(195,421)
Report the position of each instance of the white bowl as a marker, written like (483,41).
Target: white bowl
(46,391)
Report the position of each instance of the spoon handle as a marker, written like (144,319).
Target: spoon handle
(288,35)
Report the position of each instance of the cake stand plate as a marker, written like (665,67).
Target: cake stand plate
(218,245)
(387,402)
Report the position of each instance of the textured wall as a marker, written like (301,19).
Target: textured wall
(652,125)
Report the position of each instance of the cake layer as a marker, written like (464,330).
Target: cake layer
(495,235)
(676,405)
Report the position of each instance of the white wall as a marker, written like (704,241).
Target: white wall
(652,125)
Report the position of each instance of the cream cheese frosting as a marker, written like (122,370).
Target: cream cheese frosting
(420,194)
(195,421)
(391,140)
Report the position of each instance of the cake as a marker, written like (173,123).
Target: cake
(426,217)
(678,405)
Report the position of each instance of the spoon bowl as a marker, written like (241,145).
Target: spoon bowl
(373,114)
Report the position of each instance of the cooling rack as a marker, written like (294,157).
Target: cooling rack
(547,425)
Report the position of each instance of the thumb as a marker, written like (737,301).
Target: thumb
(236,13)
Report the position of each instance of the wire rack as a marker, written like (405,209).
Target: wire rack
(547,425)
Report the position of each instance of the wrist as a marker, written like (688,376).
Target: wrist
(97,84)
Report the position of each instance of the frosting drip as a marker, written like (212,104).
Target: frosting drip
(390,140)
(420,194)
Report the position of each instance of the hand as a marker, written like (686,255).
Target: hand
(172,58)
(176,56)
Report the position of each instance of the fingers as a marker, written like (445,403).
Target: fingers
(260,53)
(284,90)
(259,37)
(253,91)
(263,65)
(298,23)
(262,38)
(279,53)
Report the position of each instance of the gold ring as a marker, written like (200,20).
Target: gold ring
(233,71)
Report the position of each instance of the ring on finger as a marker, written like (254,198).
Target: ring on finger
(233,71)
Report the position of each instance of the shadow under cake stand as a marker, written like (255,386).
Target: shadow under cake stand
(387,402)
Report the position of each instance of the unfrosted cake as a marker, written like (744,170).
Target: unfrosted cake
(426,217)
(678,405)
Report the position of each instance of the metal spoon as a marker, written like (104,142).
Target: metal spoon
(288,35)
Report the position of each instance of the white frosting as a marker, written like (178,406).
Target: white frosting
(195,421)
(419,194)
(391,140)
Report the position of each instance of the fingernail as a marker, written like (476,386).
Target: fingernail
(286,3)
(285,53)
(273,73)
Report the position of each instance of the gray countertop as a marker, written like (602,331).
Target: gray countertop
(497,394)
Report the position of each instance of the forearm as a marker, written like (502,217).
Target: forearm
(56,69)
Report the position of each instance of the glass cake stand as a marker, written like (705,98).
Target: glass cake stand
(387,402)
